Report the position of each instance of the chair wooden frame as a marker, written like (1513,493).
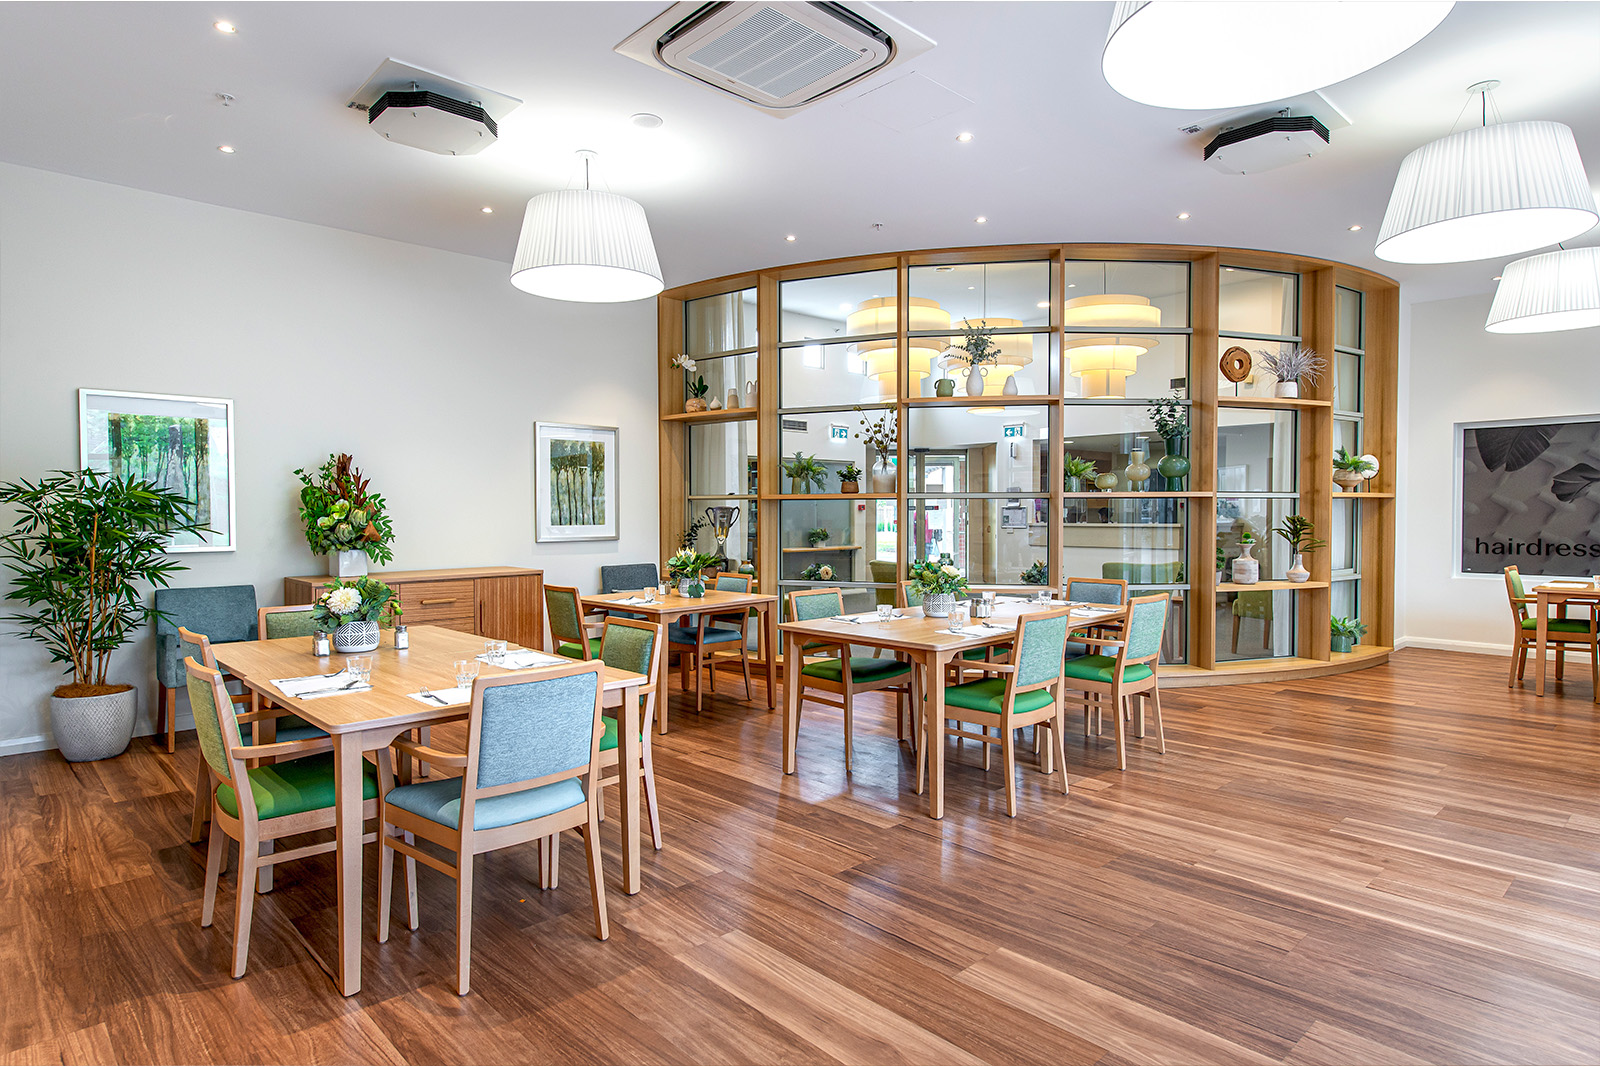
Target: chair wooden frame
(1525,640)
(206,781)
(465,842)
(1122,601)
(956,670)
(250,830)
(610,759)
(701,656)
(1119,692)
(588,626)
(847,687)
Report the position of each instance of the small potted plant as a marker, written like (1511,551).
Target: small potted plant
(1299,532)
(687,568)
(849,478)
(979,347)
(818,538)
(817,572)
(1350,471)
(343,518)
(1246,568)
(937,583)
(81,545)
(1079,471)
(353,612)
(1291,368)
(883,435)
(1037,574)
(1344,633)
(694,388)
(805,474)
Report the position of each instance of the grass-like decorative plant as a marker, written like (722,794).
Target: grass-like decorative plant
(1296,365)
(805,473)
(1300,532)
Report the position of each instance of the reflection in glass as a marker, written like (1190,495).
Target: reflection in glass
(741,536)
(1106,436)
(724,374)
(817,307)
(1110,319)
(1346,381)
(993,541)
(1346,601)
(1346,435)
(1259,302)
(1161,370)
(1019,292)
(721,323)
(1164,285)
(722,459)
(827,375)
(1025,356)
(1256,451)
(830,438)
(1144,542)
(1255,624)
(1347,332)
(993,455)
(881,356)
(1344,539)
(852,551)
(1258,516)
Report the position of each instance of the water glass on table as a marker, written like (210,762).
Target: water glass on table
(885,612)
(466,670)
(360,667)
(495,651)
(648,595)
(958,616)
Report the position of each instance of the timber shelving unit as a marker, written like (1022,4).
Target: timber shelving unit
(1373,516)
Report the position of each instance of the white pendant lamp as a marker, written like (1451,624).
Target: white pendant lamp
(1198,54)
(1102,363)
(1549,292)
(880,315)
(1487,192)
(586,245)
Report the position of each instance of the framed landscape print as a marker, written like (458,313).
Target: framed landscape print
(574,482)
(181,443)
(1528,495)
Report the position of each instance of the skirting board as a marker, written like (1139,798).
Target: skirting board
(42,743)
(1479,648)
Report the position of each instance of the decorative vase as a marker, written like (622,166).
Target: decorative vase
(694,403)
(938,605)
(1174,468)
(975,381)
(356,637)
(849,487)
(882,477)
(750,394)
(697,587)
(1246,568)
(1341,643)
(1011,386)
(93,727)
(1288,389)
(347,564)
(1297,571)
(1074,485)
(1138,471)
(733,399)
(945,387)
(1105,482)
(715,405)
(1348,480)
(820,544)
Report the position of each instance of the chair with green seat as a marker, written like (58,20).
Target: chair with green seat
(569,630)
(222,612)
(1128,674)
(1030,693)
(1253,606)
(633,645)
(289,797)
(273,624)
(530,771)
(956,674)
(198,646)
(832,669)
(1561,633)
(727,634)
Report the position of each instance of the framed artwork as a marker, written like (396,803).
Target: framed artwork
(1528,495)
(574,482)
(182,443)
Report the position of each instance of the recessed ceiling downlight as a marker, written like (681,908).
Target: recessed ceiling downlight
(1200,54)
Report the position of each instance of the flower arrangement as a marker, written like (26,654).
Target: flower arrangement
(1037,574)
(1296,365)
(817,537)
(684,363)
(817,572)
(805,472)
(932,577)
(978,344)
(882,433)
(1171,417)
(361,600)
(1298,531)
(687,563)
(341,514)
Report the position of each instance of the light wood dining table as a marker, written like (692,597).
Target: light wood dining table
(930,646)
(370,720)
(1549,595)
(715,602)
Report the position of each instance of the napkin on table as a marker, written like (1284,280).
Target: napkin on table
(522,659)
(459,694)
(319,685)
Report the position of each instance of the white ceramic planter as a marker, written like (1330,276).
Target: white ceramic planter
(347,564)
(938,605)
(1298,572)
(356,637)
(91,728)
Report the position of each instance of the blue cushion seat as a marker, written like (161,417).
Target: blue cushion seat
(294,786)
(685,635)
(440,802)
(990,695)
(862,669)
(1559,626)
(1103,668)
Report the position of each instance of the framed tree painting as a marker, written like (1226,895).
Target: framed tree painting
(574,482)
(181,443)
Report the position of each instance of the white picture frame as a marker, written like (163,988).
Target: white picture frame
(572,500)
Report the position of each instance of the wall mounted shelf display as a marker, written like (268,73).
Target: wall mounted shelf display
(1044,457)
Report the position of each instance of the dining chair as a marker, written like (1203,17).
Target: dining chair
(283,799)
(633,645)
(1130,672)
(833,670)
(697,646)
(626,578)
(1029,692)
(530,771)
(272,624)
(569,630)
(1090,591)
(955,671)
(199,646)
(1561,633)
(224,612)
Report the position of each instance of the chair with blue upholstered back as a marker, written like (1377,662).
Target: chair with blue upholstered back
(530,771)
(1094,591)
(221,612)
(698,645)
(1131,672)
(834,670)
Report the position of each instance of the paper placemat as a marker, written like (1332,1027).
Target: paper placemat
(868,617)
(444,698)
(320,685)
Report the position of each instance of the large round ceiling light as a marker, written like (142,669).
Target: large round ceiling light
(881,315)
(1205,54)
(585,245)
(1549,292)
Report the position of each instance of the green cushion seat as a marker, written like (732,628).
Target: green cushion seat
(862,669)
(1559,626)
(608,740)
(977,653)
(990,695)
(294,786)
(570,649)
(440,802)
(1101,668)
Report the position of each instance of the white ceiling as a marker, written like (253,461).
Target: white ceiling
(125,93)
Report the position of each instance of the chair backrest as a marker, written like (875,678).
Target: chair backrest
(196,645)
(815,604)
(633,645)
(222,612)
(1515,591)
(626,577)
(909,597)
(733,583)
(1253,605)
(1097,590)
(1147,622)
(217,726)
(290,620)
(564,609)
(1138,574)
(1041,646)
(530,729)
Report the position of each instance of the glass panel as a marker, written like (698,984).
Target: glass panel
(1030,358)
(1142,541)
(845,305)
(857,599)
(741,543)
(1259,516)
(993,541)
(1164,285)
(826,375)
(1258,301)
(983,450)
(724,375)
(838,535)
(1256,451)
(1347,435)
(1258,381)
(1105,366)
(1106,436)
(1344,541)
(720,323)
(1347,331)
(722,459)
(1346,602)
(831,438)
(1255,625)
(1005,294)
(1346,381)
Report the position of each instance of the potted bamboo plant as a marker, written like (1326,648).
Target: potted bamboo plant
(82,547)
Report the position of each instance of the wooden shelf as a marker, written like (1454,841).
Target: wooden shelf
(823,548)
(1239,672)
(725,415)
(1032,400)
(1231,587)
(829,496)
(1162,495)
(1271,402)
(1366,496)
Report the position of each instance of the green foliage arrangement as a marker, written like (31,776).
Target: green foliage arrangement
(1351,628)
(817,572)
(341,515)
(692,534)
(804,473)
(930,577)
(1345,461)
(849,472)
(1077,467)
(817,536)
(363,600)
(1171,417)
(687,563)
(698,387)
(1037,574)
(978,344)
(80,547)
(1299,531)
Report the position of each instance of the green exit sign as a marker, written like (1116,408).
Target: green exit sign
(1017,430)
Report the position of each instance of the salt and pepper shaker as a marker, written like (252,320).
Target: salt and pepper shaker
(402,640)
(319,644)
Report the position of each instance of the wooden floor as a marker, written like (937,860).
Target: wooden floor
(1400,865)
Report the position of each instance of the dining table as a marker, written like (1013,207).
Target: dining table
(367,720)
(663,608)
(930,645)
(1554,594)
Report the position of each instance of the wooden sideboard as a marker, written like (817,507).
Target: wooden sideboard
(503,603)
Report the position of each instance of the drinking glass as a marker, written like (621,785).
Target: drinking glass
(649,595)
(466,671)
(885,612)
(496,651)
(360,666)
(988,596)
(958,616)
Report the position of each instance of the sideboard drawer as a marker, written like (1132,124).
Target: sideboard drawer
(428,602)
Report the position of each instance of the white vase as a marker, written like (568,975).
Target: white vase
(938,605)
(883,478)
(1246,568)
(1297,570)
(1288,389)
(347,564)
(356,637)
(750,394)
(1011,386)
(975,381)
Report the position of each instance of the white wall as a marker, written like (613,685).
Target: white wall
(1459,373)
(427,366)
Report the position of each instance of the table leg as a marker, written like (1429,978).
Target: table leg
(347,749)
(663,694)
(933,736)
(264,732)
(791,700)
(629,754)
(1543,605)
(769,626)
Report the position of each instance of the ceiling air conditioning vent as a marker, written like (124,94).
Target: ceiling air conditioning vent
(1267,144)
(778,56)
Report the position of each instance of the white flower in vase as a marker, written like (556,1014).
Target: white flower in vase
(343,601)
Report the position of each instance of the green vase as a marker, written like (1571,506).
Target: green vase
(1174,468)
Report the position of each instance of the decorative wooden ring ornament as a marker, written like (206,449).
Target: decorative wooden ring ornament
(1236,364)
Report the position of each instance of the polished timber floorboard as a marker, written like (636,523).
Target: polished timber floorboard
(1395,866)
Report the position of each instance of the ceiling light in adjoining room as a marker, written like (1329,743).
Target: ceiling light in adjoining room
(646,121)
(1183,214)
(488,210)
(879,315)
(790,237)
(1548,292)
(225,27)
(1354,228)
(1042,304)
(1203,54)
(226,149)
(963,137)
(586,245)
(981,218)
(1103,362)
